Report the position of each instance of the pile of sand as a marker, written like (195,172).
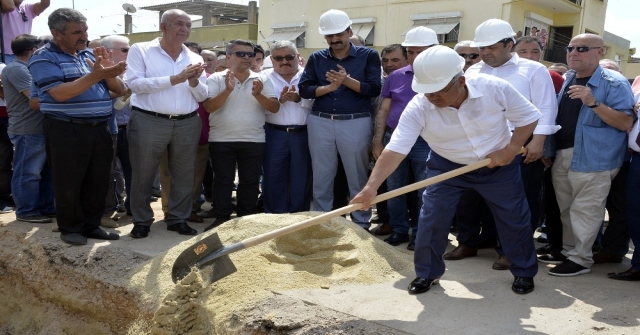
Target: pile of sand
(332,253)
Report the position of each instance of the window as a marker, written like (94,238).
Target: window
(294,32)
(446,25)
(364,28)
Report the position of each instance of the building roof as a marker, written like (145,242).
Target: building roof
(218,9)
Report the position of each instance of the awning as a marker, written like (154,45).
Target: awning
(285,34)
(439,27)
(363,29)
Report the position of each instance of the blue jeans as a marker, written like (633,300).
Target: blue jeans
(633,207)
(415,161)
(31,183)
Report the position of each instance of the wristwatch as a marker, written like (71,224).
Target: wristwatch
(595,104)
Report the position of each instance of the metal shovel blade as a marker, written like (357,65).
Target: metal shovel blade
(222,266)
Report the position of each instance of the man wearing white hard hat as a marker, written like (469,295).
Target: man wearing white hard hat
(495,39)
(342,79)
(464,120)
(396,94)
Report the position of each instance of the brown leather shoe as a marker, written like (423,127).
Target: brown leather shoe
(194,217)
(460,252)
(605,257)
(383,229)
(502,263)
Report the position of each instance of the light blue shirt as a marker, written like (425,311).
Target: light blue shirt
(597,145)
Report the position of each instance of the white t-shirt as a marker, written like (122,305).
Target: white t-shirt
(241,118)
(468,134)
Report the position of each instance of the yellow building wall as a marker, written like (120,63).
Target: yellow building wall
(593,16)
(632,70)
(208,37)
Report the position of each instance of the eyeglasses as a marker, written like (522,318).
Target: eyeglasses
(281,58)
(243,54)
(24,15)
(446,89)
(470,56)
(580,49)
(125,50)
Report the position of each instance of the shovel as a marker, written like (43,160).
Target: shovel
(211,251)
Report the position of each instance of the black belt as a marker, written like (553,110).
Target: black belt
(166,116)
(389,129)
(122,127)
(341,116)
(564,144)
(91,123)
(288,129)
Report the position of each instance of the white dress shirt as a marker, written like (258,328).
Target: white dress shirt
(149,69)
(468,134)
(532,80)
(633,134)
(290,113)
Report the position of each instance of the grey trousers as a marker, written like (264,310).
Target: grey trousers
(202,157)
(149,137)
(352,140)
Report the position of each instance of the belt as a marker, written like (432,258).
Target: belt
(122,127)
(564,145)
(341,116)
(92,123)
(166,116)
(288,129)
(389,129)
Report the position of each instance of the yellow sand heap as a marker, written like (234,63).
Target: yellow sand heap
(332,253)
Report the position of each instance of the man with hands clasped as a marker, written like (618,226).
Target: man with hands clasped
(167,81)
(287,161)
(238,101)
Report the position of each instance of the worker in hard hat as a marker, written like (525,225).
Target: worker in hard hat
(464,120)
(495,38)
(342,79)
(396,94)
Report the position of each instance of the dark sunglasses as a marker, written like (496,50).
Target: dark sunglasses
(281,58)
(24,15)
(580,49)
(125,50)
(470,56)
(242,54)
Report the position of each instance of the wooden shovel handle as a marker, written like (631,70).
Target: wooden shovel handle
(353,207)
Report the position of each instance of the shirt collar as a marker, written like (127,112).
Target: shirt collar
(473,93)
(352,51)
(54,48)
(293,79)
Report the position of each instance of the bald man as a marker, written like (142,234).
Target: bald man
(595,110)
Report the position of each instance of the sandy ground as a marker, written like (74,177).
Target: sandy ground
(123,287)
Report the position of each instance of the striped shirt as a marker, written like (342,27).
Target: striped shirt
(50,67)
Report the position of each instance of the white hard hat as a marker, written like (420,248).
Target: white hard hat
(420,37)
(334,21)
(434,68)
(491,32)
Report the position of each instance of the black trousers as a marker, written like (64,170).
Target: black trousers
(552,213)
(616,237)
(6,160)
(80,157)
(476,226)
(224,157)
(122,152)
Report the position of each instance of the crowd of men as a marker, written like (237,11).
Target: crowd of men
(167,112)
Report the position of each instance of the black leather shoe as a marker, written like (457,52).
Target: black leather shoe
(421,285)
(208,214)
(522,285)
(412,245)
(397,239)
(182,228)
(545,250)
(101,235)
(215,223)
(629,275)
(139,231)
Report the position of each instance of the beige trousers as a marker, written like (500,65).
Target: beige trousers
(581,198)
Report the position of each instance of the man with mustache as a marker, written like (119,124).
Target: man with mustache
(73,89)
(342,79)
(287,162)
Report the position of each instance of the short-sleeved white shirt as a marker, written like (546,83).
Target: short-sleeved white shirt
(241,118)
(468,134)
